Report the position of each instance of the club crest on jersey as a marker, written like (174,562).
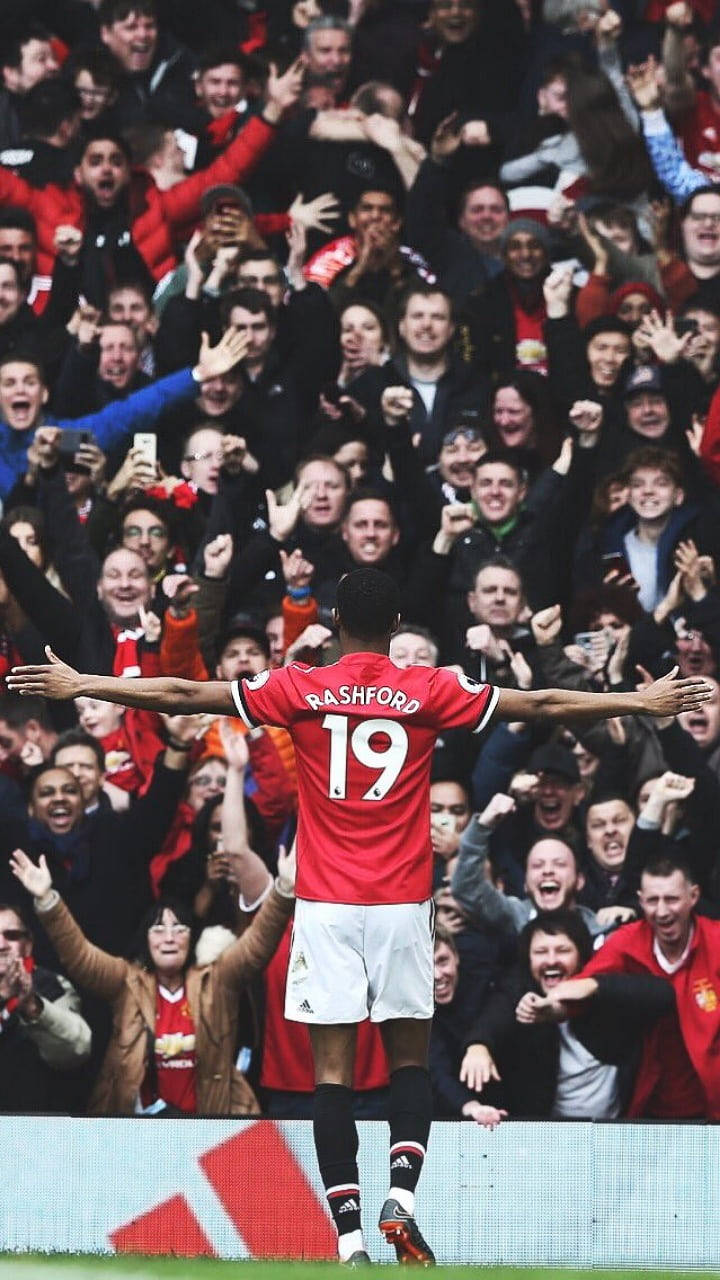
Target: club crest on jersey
(467,683)
(705,995)
(259,680)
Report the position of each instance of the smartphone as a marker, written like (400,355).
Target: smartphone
(524,643)
(585,640)
(615,560)
(686,325)
(146,444)
(70,440)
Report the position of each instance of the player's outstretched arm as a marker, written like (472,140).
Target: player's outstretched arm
(664,697)
(178,697)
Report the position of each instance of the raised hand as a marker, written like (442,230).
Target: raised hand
(500,807)
(213,362)
(297,571)
(283,519)
(557,289)
(35,877)
(217,555)
(55,680)
(546,625)
(283,91)
(446,138)
(662,337)
(315,215)
(694,434)
(235,746)
(644,84)
(316,636)
(179,589)
(595,243)
(68,243)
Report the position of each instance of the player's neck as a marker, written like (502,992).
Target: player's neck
(348,645)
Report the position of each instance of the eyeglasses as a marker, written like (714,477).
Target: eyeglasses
(216,456)
(471,434)
(94,95)
(14,935)
(156,532)
(204,780)
(712,218)
(176,930)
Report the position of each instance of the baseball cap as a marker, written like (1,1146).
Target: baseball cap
(645,378)
(554,758)
(225,191)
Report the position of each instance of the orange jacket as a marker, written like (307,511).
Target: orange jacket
(180,656)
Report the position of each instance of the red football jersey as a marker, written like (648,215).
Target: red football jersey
(364,733)
(174,1051)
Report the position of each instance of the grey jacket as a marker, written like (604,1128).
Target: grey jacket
(486,906)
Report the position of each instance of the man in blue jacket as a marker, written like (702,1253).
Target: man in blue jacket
(24,394)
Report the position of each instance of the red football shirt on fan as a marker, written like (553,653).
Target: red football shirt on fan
(364,733)
(174,1052)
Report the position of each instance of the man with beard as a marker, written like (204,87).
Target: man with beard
(425,386)
(552,876)
(582,1069)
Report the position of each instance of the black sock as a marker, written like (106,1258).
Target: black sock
(336,1144)
(410,1120)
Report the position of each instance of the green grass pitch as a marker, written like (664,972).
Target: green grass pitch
(64,1267)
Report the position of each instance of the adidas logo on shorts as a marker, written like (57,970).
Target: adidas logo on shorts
(349,1206)
(304,1007)
(401,1162)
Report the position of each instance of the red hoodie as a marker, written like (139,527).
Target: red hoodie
(697,992)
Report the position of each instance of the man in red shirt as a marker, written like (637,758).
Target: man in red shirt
(364,732)
(677,1078)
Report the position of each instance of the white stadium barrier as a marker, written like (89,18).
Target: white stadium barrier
(542,1194)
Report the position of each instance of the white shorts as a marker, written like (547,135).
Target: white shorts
(348,961)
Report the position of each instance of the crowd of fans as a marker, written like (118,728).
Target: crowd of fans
(287,288)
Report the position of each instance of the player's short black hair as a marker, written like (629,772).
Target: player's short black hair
(368,603)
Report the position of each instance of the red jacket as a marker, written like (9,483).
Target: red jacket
(697,992)
(154,214)
(710,443)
